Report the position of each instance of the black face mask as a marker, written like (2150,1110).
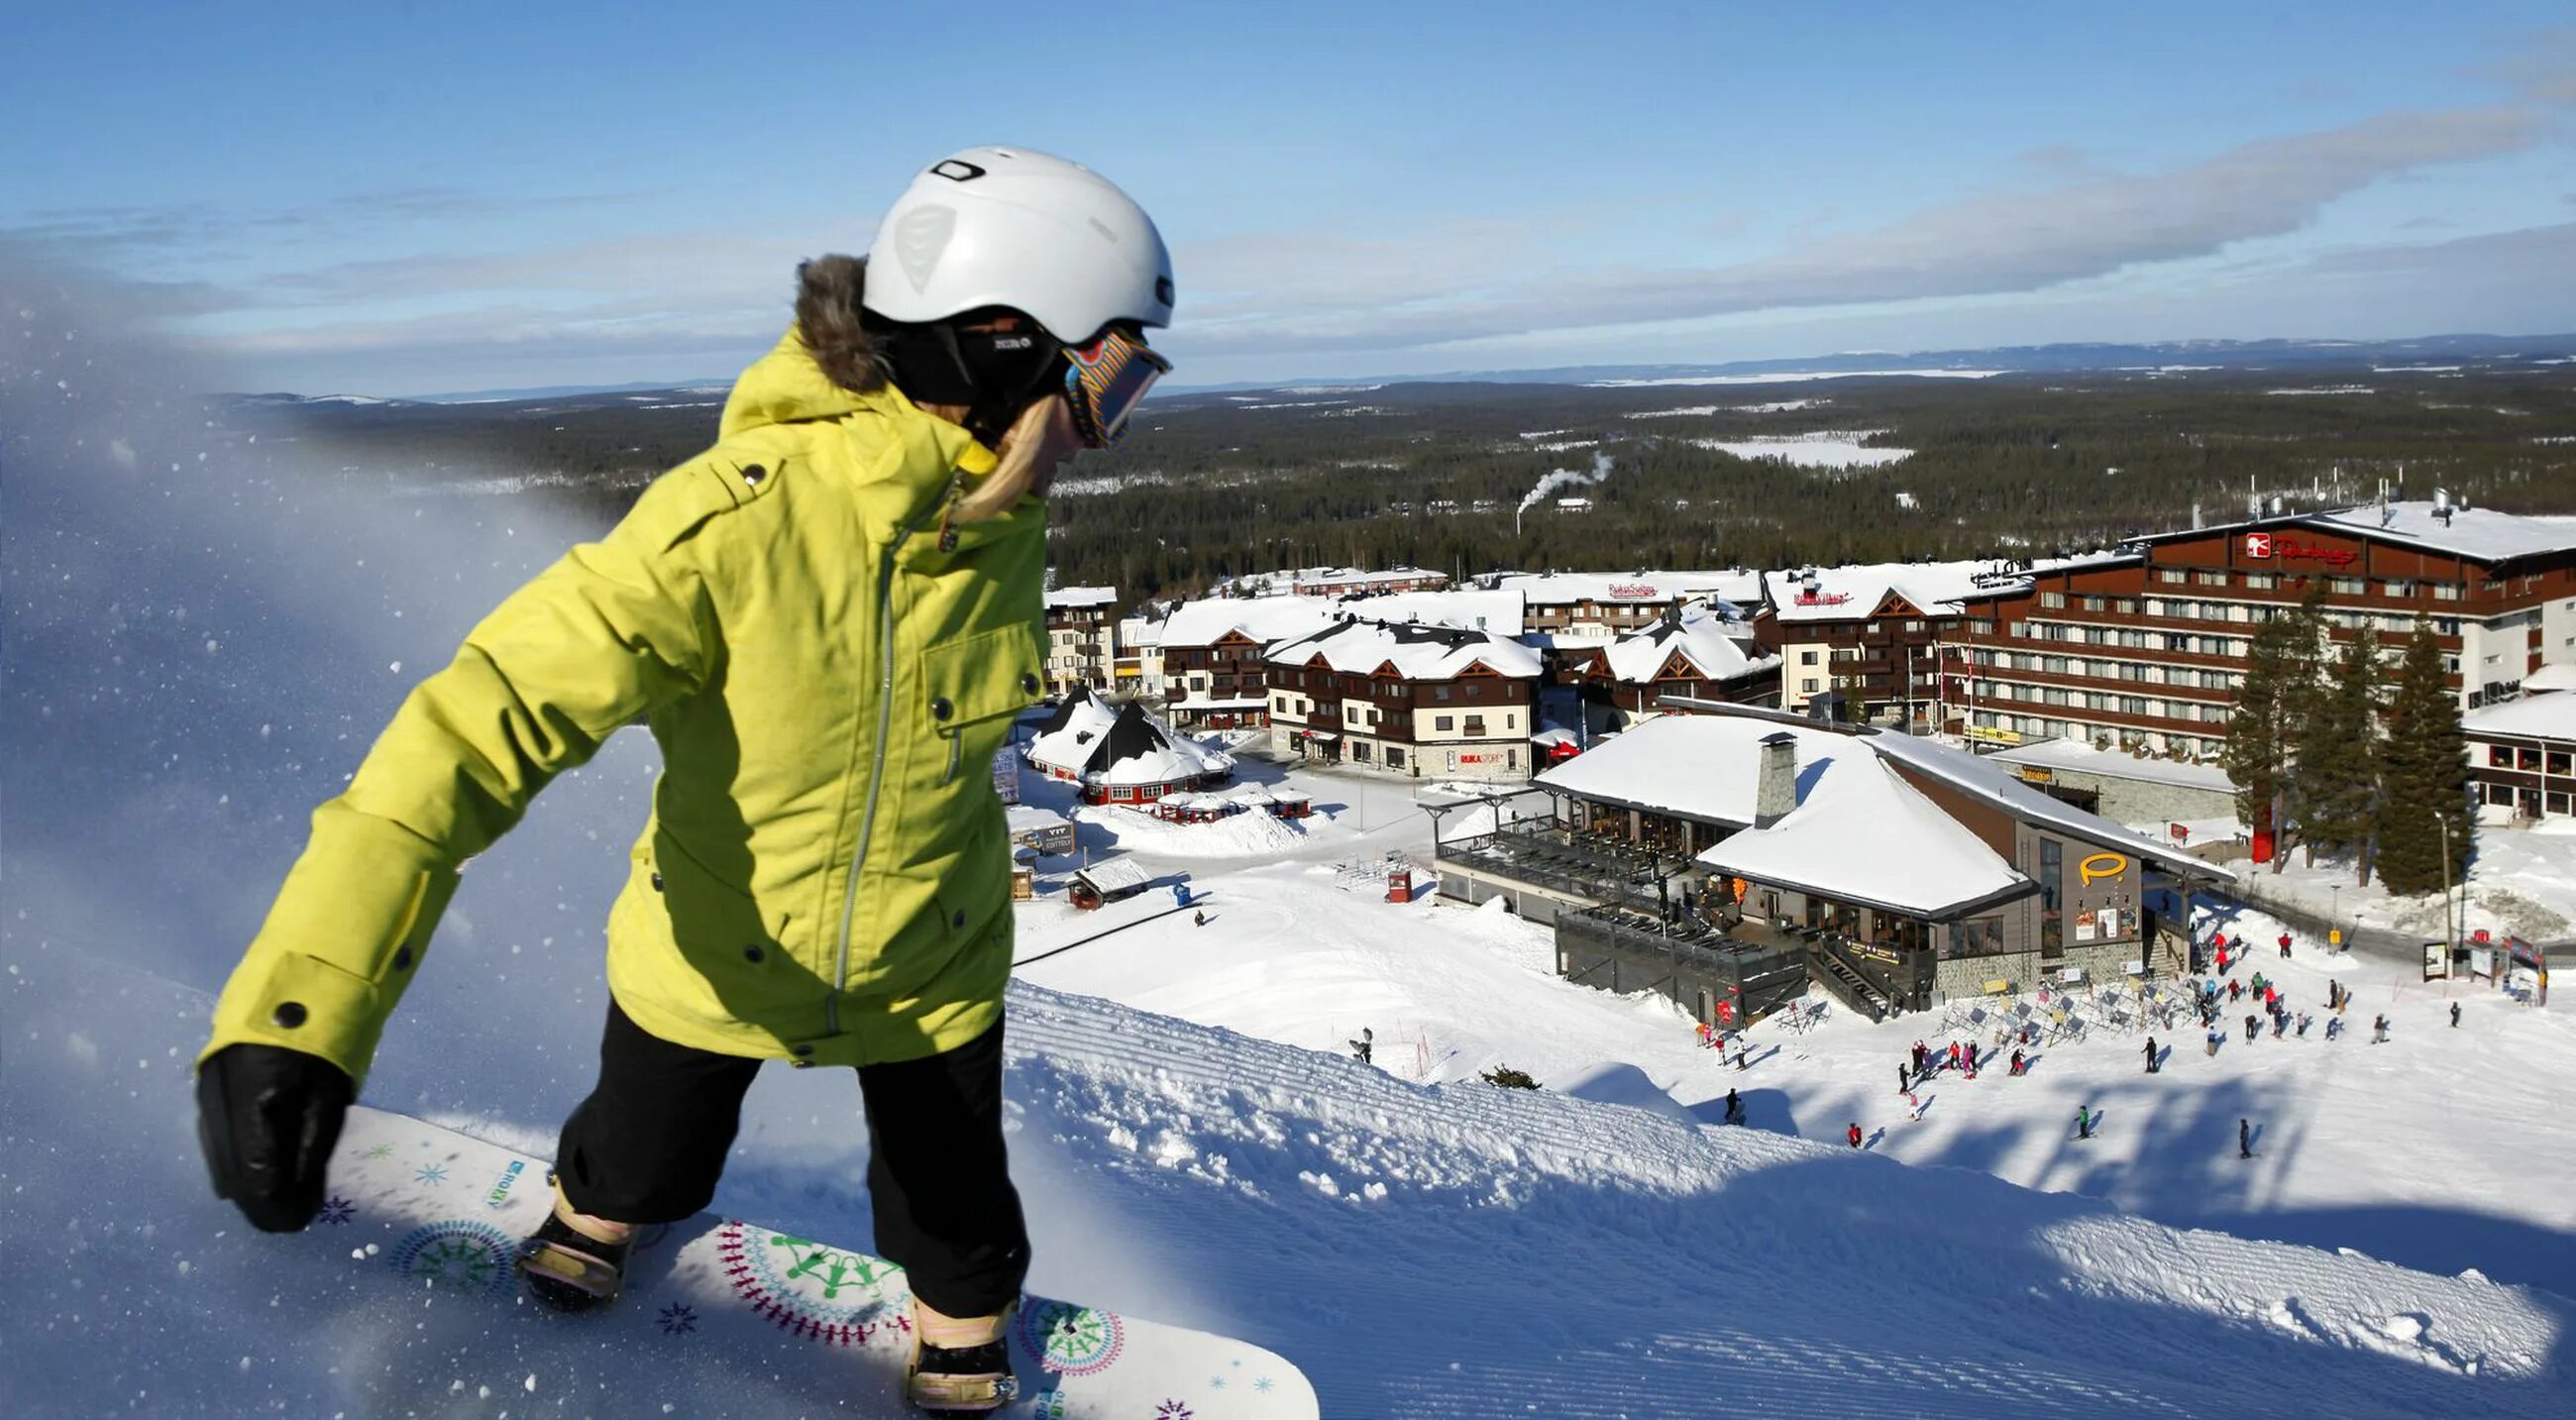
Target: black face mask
(996,374)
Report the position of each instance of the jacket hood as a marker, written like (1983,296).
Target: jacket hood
(785,386)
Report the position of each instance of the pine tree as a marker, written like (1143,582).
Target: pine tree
(2257,751)
(2339,759)
(2425,778)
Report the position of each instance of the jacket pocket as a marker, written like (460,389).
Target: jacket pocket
(723,933)
(971,687)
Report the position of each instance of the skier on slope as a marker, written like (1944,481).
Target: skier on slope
(2244,1139)
(2083,1122)
(2455,1015)
(835,611)
(2151,1055)
(1854,1134)
(1734,1108)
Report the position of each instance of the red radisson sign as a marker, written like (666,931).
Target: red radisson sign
(2265,545)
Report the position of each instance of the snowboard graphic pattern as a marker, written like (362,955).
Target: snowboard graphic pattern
(444,1212)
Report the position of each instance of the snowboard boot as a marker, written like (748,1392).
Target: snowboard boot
(961,1366)
(574,1263)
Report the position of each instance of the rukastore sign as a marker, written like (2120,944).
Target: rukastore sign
(2263,546)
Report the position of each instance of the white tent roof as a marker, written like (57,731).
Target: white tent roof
(2081,757)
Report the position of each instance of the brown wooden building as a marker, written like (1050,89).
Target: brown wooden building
(2148,650)
(1426,702)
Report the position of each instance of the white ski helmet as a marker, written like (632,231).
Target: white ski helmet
(1019,228)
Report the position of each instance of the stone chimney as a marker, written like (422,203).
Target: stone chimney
(1775,793)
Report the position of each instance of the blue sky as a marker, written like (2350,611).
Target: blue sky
(410,198)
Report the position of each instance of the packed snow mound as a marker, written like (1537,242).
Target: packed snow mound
(1250,834)
(1621,1083)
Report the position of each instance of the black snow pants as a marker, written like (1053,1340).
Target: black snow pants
(650,1143)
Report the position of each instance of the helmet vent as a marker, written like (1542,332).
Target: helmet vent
(956,171)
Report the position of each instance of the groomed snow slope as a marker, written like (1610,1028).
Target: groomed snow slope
(1455,1250)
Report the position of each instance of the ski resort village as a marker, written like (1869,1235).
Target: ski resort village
(1610,712)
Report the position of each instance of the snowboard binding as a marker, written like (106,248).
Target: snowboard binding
(571,1271)
(960,1368)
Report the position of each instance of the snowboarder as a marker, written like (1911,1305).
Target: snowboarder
(2252,1026)
(2018,1060)
(2304,1020)
(1901,1081)
(1913,1108)
(2334,1027)
(935,393)
(2379,1030)
(1199,918)
(2455,1015)
(1954,1055)
(2285,946)
(2280,1022)
(1743,1055)
(1706,1035)
(2244,1138)
(2209,1044)
(1854,1134)
(1734,1108)
(2151,1055)
(2083,1122)
(1365,1045)
(2235,991)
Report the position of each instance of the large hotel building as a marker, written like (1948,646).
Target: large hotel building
(2146,651)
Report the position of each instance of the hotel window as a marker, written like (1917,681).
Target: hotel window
(1444,722)
(1806,658)
(2140,705)
(2051,920)
(2171,576)
(2210,579)
(2446,591)
(2125,606)
(2398,587)
(2096,604)
(2347,586)
(2262,581)
(2499,757)
(2052,599)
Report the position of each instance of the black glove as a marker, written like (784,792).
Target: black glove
(267,1118)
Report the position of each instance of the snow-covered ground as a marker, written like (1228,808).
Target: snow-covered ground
(194,661)
(1831,448)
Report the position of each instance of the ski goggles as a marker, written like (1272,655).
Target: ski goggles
(1106,380)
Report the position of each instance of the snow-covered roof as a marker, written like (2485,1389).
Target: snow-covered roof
(2480,533)
(1498,612)
(2081,757)
(1862,834)
(1356,578)
(1708,767)
(1416,652)
(1264,619)
(1567,588)
(2550,678)
(1119,748)
(1024,818)
(1710,648)
(2533,717)
(1696,766)
(1981,779)
(1115,875)
(1855,592)
(1138,632)
(1082,596)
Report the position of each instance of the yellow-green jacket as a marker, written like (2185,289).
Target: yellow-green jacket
(829,665)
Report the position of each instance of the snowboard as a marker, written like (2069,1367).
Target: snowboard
(445,1212)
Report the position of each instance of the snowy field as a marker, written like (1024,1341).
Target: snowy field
(194,660)
(1829,448)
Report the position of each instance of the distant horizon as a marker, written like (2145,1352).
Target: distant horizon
(407,201)
(2565,339)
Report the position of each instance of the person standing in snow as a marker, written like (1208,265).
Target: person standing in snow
(2252,1026)
(2455,1015)
(1199,918)
(1854,1134)
(2017,1061)
(2379,1031)
(835,610)
(2151,1055)
(1366,1045)
(2083,1122)
(1901,1081)
(1914,1108)
(2244,1138)
(2304,1020)
(2285,946)
(1734,1108)
(2235,991)
(2334,1027)
(2210,1043)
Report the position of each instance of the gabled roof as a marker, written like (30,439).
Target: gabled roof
(1263,619)
(1081,596)
(1708,645)
(1416,652)
(1118,748)
(1856,593)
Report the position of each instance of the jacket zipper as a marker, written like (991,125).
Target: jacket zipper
(876,766)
